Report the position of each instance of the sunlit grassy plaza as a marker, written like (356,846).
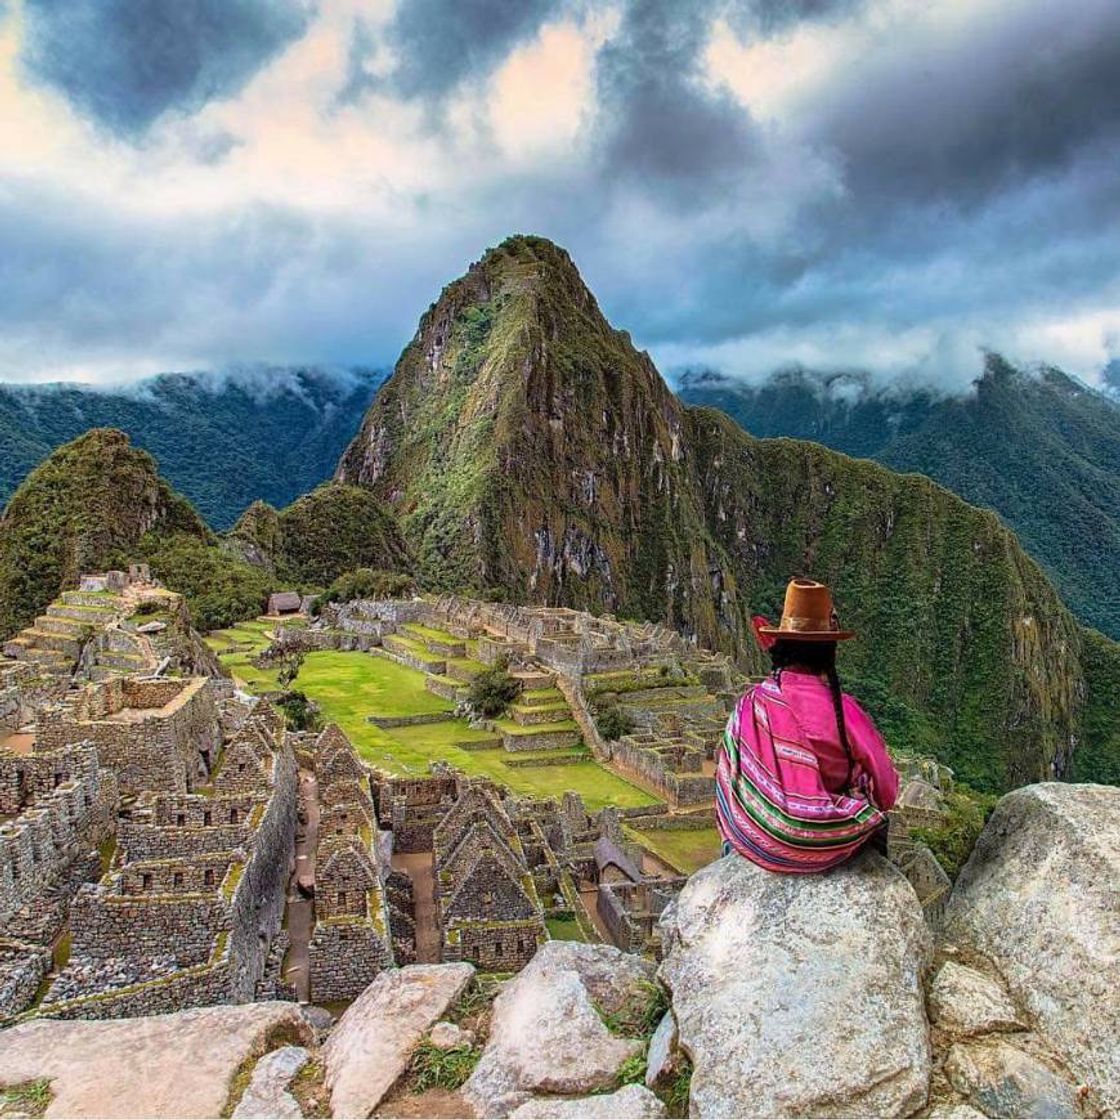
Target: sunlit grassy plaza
(349,687)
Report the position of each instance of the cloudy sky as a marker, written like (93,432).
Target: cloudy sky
(885,184)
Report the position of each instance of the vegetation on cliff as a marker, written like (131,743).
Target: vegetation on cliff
(1038,447)
(222,440)
(100,503)
(335,529)
(526,445)
(86,508)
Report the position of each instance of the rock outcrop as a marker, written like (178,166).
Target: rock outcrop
(1040,899)
(267,1096)
(548,1035)
(179,1065)
(369,1048)
(630,1103)
(800,995)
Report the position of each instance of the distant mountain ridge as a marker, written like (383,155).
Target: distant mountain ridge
(1039,447)
(530,451)
(223,440)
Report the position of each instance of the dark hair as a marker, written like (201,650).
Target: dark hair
(817,657)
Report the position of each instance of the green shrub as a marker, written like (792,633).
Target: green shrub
(492,691)
(300,713)
(613,722)
(433,1068)
(952,843)
(220,589)
(364,583)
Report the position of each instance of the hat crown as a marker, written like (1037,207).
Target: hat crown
(808,606)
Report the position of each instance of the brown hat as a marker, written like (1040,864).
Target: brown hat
(808,616)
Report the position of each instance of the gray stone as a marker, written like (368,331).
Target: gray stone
(546,1033)
(1038,899)
(965,1002)
(1000,1080)
(633,1102)
(800,995)
(956,1112)
(663,1058)
(449,1036)
(320,1019)
(370,1047)
(267,1093)
(179,1065)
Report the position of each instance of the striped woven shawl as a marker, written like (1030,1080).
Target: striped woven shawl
(771,802)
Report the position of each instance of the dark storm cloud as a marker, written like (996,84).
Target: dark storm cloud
(438,44)
(958,119)
(125,63)
(771,16)
(660,123)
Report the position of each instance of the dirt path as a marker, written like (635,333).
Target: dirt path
(301,913)
(590,895)
(418,867)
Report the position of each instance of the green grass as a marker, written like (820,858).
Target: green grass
(564,929)
(351,686)
(432,1068)
(417,629)
(685,849)
(508,726)
(240,663)
(27,1098)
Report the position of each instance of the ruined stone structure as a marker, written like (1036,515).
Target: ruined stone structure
(56,809)
(352,941)
(155,734)
(630,910)
(487,905)
(187,912)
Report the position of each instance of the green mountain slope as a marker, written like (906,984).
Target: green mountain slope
(1041,449)
(86,508)
(222,440)
(334,529)
(98,503)
(529,449)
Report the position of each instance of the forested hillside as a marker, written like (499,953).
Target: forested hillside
(1038,447)
(221,440)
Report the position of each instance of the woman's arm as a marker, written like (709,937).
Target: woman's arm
(871,754)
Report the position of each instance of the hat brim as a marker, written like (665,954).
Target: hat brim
(807,635)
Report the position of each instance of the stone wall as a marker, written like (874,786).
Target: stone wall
(59,824)
(22,968)
(154,734)
(345,955)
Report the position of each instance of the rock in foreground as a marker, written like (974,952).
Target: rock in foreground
(800,995)
(633,1102)
(1039,898)
(370,1047)
(547,1034)
(179,1065)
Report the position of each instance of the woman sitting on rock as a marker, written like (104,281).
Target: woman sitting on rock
(803,778)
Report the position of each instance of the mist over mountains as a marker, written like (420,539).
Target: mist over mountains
(1038,446)
(223,439)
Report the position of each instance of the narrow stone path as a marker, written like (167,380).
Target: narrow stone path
(589,892)
(301,906)
(418,867)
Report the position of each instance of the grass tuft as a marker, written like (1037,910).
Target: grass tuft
(26,1098)
(433,1068)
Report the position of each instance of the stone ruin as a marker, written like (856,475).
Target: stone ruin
(193,900)
(352,940)
(56,809)
(155,734)
(487,905)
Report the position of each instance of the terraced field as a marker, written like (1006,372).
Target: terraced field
(685,849)
(351,687)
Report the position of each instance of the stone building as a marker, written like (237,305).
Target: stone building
(56,809)
(352,940)
(190,907)
(487,905)
(154,734)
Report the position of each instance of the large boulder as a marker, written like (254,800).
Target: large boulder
(369,1049)
(179,1065)
(632,1102)
(800,995)
(547,1032)
(1040,898)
